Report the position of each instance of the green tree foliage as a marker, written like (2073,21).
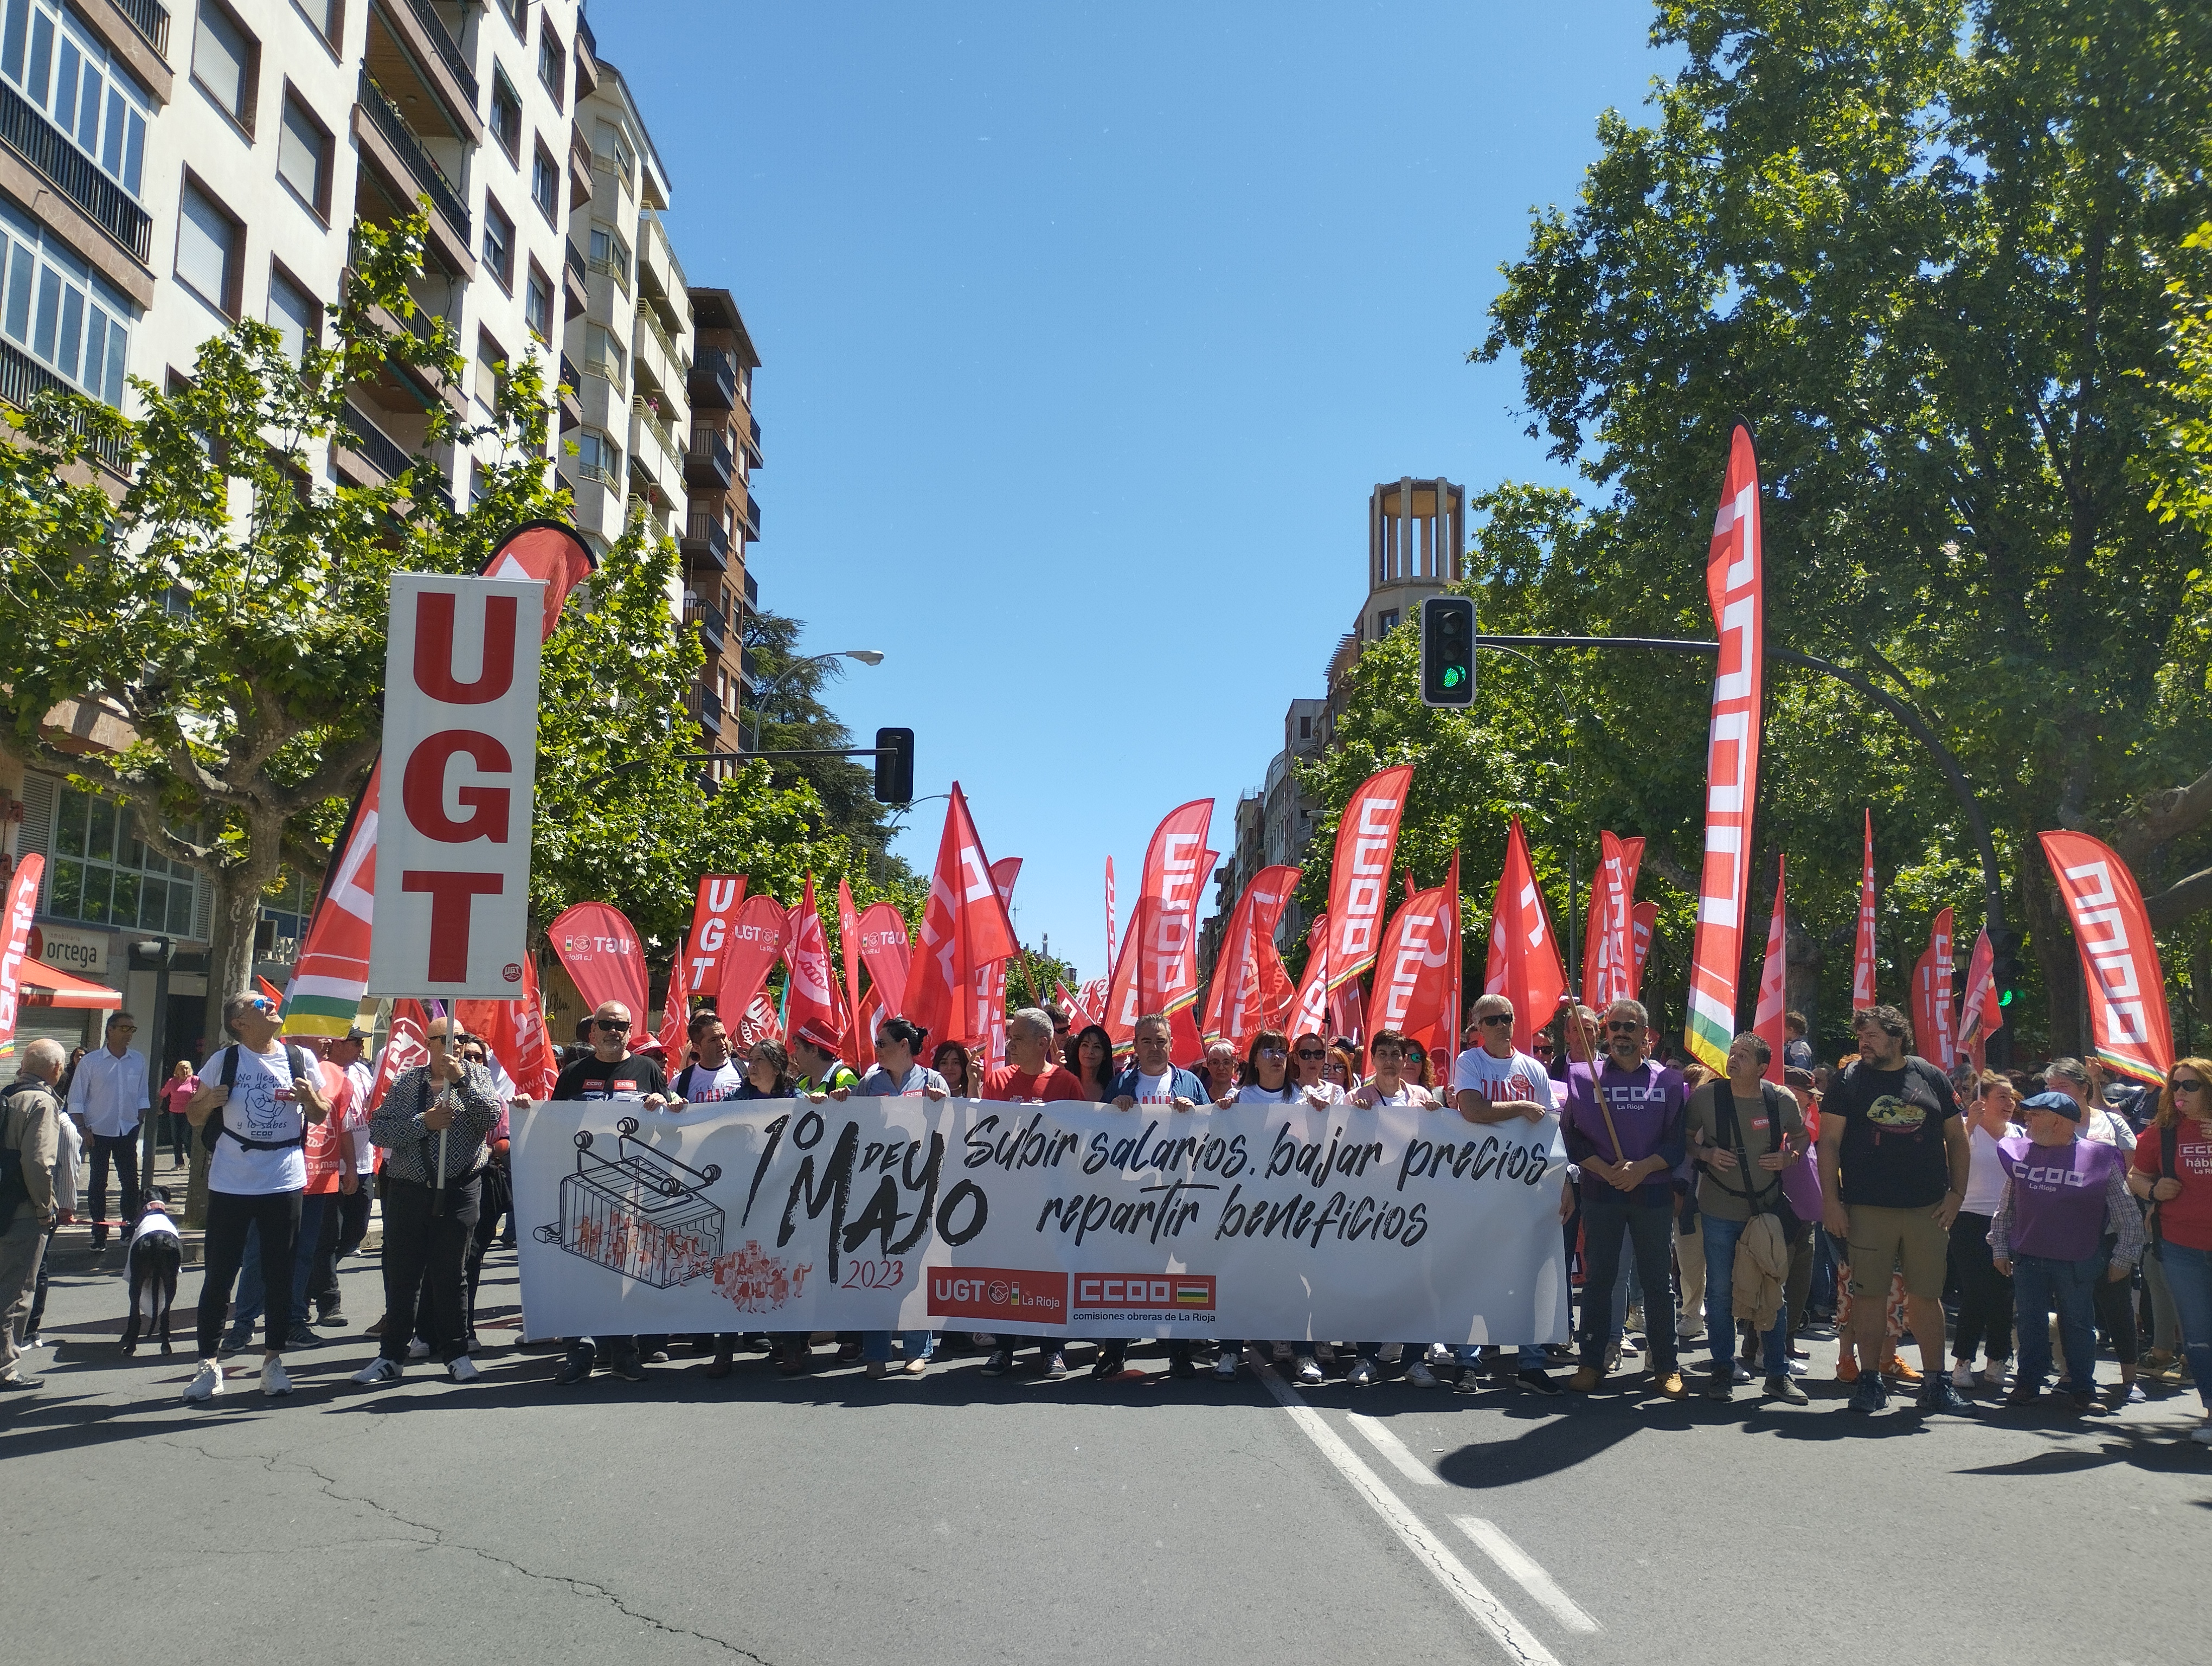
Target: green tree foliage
(1924,247)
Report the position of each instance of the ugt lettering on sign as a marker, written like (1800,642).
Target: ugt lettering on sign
(901,1206)
(460,735)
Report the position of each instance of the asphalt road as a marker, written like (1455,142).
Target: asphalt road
(961,1518)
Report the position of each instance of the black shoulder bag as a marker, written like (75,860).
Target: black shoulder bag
(1780,1209)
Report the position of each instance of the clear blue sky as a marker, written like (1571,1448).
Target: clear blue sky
(1086,331)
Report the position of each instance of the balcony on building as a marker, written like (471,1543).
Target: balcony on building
(712,631)
(752,443)
(714,382)
(432,34)
(55,166)
(718,328)
(365,454)
(708,464)
(571,401)
(656,458)
(575,283)
(416,127)
(660,368)
(661,280)
(752,594)
(587,58)
(580,170)
(710,710)
(706,543)
(752,515)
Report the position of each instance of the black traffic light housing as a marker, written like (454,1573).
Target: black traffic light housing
(1447,651)
(895,766)
(2005,968)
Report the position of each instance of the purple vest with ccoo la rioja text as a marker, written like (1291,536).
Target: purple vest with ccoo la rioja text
(2058,1196)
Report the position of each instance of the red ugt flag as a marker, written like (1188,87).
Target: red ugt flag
(813,991)
(965,925)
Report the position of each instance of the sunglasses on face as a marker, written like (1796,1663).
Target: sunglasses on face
(616,1025)
(1624,1029)
(2188,1085)
(1496,1020)
(1312,1055)
(1274,1052)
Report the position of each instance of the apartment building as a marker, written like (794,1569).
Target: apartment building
(724,516)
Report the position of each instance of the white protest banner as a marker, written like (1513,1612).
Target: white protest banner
(460,732)
(1276,1221)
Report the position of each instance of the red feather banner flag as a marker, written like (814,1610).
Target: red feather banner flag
(2120,960)
(814,982)
(1360,872)
(403,1048)
(1645,926)
(755,943)
(713,912)
(1109,911)
(1251,987)
(1931,995)
(964,925)
(1417,976)
(849,951)
(1310,1010)
(1609,947)
(1123,1007)
(599,949)
(1175,872)
(1773,980)
(991,979)
(1980,1014)
(885,950)
(1735,586)
(1862,946)
(1524,962)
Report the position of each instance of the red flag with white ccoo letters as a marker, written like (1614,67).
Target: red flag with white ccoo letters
(1360,872)
(1524,961)
(1863,945)
(2119,959)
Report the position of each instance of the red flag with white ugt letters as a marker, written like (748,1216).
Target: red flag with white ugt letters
(964,925)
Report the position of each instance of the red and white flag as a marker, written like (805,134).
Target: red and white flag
(1524,960)
(2119,959)
(755,943)
(1417,977)
(814,997)
(1980,1013)
(760,1022)
(403,1048)
(713,912)
(599,950)
(1310,1009)
(849,951)
(1090,1000)
(1360,872)
(1123,1008)
(1608,949)
(1175,873)
(1645,926)
(1931,995)
(1773,980)
(991,979)
(1735,587)
(885,950)
(964,925)
(1250,986)
(1862,946)
(1109,910)
(22,906)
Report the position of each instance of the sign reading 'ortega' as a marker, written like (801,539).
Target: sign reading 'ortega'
(460,735)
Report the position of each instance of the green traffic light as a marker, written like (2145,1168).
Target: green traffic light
(1454,677)
(2005,999)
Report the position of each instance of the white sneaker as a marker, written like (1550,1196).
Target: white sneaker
(1997,1372)
(1420,1376)
(1439,1354)
(1962,1377)
(1362,1374)
(1309,1374)
(1225,1368)
(1627,1348)
(464,1370)
(418,1349)
(208,1384)
(273,1379)
(2202,1434)
(1801,1367)
(379,1372)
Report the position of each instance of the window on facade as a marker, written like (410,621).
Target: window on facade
(67,74)
(545,184)
(303,155)
(498,243)
(330,15)
(552,60)
(284,909)
(604,355)
(209,241)
(54,308)
(492,371)
(610,147)
(1385,623)
(105,876)
(1305,728)
(516,13)
(506,115)
(225,60)
(538,304)
(293,311)
(599,458)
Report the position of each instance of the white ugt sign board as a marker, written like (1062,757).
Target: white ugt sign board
(460,742)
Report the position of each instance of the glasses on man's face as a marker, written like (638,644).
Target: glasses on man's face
(1631,1029)
(1496,1020)
(438,1038)
(614,1025)
(264,1006)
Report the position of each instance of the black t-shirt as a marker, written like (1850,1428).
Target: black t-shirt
(1893,1147)
(593,1078)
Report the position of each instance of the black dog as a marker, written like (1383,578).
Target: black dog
(156,1252)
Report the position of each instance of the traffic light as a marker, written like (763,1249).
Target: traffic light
(895,766)
(2005,967)
(1448,651)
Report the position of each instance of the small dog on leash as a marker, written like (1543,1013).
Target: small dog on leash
(156,1252)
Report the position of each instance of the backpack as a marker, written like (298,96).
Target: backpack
(1754,1190)
(303,1064)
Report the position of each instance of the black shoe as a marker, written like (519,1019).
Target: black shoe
(1938,1393)
(2023,1396)
(331,1318)
(1055,1364)
(2085,1403)
(302,1337)
(575,1368)
(12,1384)
(1001,1362)
(1720,1384)
(1108,1365)
(1180,1366)
(630,1367)
(1537,1382)
(237,1337)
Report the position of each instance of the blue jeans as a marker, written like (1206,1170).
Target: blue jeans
(876,1345)
(2188,1276)
(1720,1239)
(2037,1283)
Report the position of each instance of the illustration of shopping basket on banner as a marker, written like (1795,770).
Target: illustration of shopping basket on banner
(643,1215)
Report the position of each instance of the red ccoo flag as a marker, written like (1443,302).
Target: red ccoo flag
(1360,872)
(964,925)
(1249,984)
(2120,960)
(849,951)
(991,979)
(1646,924)
(1123,1010)
(1310,1010)
(1524,962)
(1608,946)
(1174,872)
(1931,995)
(1773,978)
(1417,976)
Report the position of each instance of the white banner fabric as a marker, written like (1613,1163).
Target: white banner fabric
(1273,1222)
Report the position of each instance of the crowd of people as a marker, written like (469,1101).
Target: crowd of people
(1878,1198)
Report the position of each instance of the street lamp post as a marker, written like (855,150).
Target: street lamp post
(866,656)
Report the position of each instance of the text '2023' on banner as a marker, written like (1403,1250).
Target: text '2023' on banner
(1280,1221)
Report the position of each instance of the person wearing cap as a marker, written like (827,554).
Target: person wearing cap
(821,1074)
(2063,1195)
(2083,1083)
(1894,1165)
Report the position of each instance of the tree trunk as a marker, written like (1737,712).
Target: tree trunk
(2051,935)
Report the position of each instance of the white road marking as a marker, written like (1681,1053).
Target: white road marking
(1482,1606)
(1395,1451)
(1528,1570)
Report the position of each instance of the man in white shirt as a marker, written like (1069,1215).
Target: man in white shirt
(1492,1083)
(713,1074)
(107,1098)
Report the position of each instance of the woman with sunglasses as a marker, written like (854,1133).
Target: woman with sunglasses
(1317,1072)
(1390,1086)
(1342,1067)
(1267,1078)
(895,1075)
(2171,1167)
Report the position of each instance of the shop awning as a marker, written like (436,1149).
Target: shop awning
(49,986)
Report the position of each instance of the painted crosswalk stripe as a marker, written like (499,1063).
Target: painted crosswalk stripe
(1393,1451)
(1527,1570)
(1480,1604)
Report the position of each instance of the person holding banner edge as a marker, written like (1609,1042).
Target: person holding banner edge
(609,1071)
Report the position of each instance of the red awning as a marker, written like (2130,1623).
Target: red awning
(49,986)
